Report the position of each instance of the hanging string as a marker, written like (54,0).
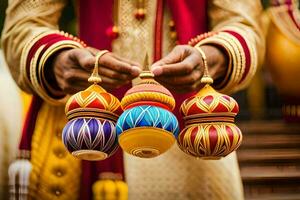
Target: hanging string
(206,77)
(95,78)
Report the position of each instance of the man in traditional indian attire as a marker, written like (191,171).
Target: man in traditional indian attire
(51,64)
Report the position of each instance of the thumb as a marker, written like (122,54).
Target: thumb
(173,57)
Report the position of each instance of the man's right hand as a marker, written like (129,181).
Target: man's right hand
(72,68)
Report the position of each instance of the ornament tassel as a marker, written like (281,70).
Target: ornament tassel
(206,77)
(95,78)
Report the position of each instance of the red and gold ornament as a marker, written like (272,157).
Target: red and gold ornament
(209,132)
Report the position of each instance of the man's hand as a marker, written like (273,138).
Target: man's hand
(181,70)
(72,68)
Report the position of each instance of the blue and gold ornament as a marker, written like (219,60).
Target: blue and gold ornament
(90,133)
(147,128)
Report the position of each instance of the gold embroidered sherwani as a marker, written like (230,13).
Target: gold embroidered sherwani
(170,176)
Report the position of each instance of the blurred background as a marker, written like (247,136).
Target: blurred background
(269,157)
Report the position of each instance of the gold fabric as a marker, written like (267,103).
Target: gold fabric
(173,175)
(244,15)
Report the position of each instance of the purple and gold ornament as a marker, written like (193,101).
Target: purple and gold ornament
(90,133)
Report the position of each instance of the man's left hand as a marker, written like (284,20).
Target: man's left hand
(181,70)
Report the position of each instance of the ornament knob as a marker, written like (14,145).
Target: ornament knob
(146,73)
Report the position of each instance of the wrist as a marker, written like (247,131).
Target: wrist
(35,66)
(50,77)
(217,61)
(241,57)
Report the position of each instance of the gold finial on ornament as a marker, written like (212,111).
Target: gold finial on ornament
(206,77)
(95,78)
(146,73)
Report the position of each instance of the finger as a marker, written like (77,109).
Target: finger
(67,78)
(122,67)
(93,50)
(182,68)
(74,75)
(173,57)
(71,87)
(113,83)
(103,71)
(181,88)
(83,58)
(135,67)
(132,63)
(183,79)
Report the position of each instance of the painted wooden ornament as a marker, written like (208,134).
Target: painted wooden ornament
(90,133)
(209,132)
(147,128)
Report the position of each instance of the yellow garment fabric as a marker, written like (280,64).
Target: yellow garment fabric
(55,173)
(26,99)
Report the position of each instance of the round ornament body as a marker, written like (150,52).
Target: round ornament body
(90,133)
(210,140)
(147,128)
(147,131)
(90,138)
(209,132)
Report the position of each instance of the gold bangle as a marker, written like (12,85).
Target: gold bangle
(49,52)
(230,81)
(253,54)
(95,78)
(239,53)
(36,73)
(24,56)
(33,76)
(237,65)
(229,68)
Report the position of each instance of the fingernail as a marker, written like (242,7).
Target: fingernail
(136,70)
(156,71)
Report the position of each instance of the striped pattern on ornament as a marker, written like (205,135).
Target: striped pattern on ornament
(209,104)
(210,140)
(93,99)
(91,134)
(148,116)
